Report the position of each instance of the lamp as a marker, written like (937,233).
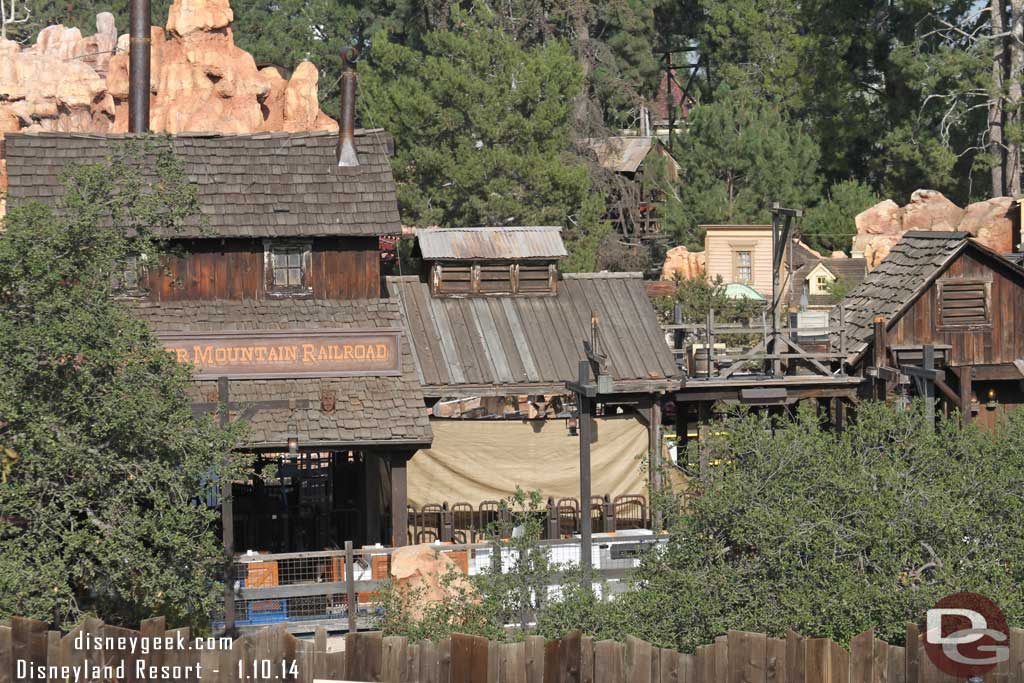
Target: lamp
(991,395)
(293,437)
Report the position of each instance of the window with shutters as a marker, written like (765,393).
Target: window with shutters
(492,278)
(129,277)
(964,303)
(453,278)
(288,265)
(495,278)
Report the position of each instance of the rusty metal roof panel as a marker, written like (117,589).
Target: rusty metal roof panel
(515,243)
(515,343)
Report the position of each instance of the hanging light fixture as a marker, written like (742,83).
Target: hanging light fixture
(293,437)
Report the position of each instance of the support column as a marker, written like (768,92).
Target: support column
(965,394)
(371,497)
(839,414)
(654,462)
(880,343)
(227,519)
(399,500)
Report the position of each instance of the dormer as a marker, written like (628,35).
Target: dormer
(490,261)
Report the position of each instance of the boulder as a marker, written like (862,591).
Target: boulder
(683,264)
(930,210)
(190,16)
(876,247)
(884,218)
(990,222)
(423,576)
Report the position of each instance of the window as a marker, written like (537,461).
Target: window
(964,303)
(823,282)
(128,280)
(744,270)
(287,268)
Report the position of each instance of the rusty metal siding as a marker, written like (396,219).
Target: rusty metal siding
(517,341)
(520,243)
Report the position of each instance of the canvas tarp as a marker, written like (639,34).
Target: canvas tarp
(477,460)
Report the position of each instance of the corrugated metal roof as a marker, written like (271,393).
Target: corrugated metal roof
(510,243)
(518,341)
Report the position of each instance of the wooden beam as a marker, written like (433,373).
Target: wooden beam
(965,374)
(879,348)
(227,520)
(839,416)
(586,428)
(654,462)
(399,500)
(1002,371)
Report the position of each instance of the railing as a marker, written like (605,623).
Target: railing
(712,349)
(462,523)
(310,589)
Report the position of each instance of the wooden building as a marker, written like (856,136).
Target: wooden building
(510,324)
(947,291)
(274,296)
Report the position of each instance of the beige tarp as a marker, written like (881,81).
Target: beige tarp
(476,460)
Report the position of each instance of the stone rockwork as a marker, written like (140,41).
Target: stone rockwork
(422,577)
(683,264)
(200,81)
(881,226)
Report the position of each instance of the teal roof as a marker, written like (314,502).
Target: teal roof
(738,290)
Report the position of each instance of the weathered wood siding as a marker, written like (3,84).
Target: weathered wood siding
(342,268)
(1000,342)
(722,241)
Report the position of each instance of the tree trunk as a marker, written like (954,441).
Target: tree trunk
(1013,100)
(581,27)
(995,111)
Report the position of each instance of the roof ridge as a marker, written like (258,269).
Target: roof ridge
(604,275)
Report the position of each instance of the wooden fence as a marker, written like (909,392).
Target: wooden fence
(273,654)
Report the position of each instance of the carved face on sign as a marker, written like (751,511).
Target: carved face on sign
(328,401)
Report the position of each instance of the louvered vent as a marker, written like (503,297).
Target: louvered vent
(964,303)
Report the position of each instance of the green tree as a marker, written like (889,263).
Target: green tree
(738,156)
(829,226)
(104,511)
(830,534)
(483,131)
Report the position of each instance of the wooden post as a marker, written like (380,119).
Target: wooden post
(586,430)
(928,363)
(553,532)
(840,414)
(966,372)
(447,524)
(842,339)
(227,519)
(879,345)
(350,586)
(371,497)
(654,462)
(711,342)
(399,501)
(703,416)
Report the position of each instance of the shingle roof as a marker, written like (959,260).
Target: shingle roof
(369,410)
(519,342)
(509,243)
(260,185)
(851,271)
(894,284)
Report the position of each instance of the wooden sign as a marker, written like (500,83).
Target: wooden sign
(288,353)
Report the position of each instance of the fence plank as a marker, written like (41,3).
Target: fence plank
(469,659)
(512,663)
(840,663)
(609,662)
(913,655)
(551,668)
(535,659)
(6,660)
(862,657)
(412,669)
(638,660)
(687,669)
(721,660)
(363,656)
(394,659)
(428,662)
(897,668)
(570,658)
(587,659)
(817,660)
(53,651)
(1016,655)
(334,666)
(28,642)
(669,669)
(795,657)
(881,663)
(492,662)
(775,661)
(747,657)
(705,663)
(444,661)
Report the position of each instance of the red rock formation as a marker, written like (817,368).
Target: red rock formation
(424,577)
(683,264)
(200,81)
(882,225)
